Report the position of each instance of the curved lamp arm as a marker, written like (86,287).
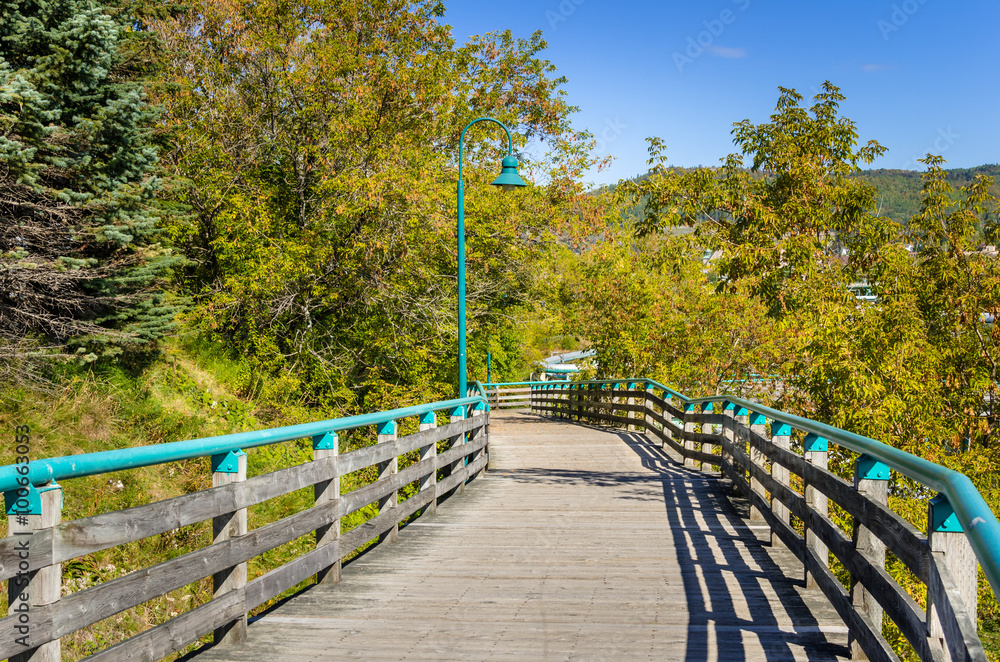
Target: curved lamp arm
(461,139)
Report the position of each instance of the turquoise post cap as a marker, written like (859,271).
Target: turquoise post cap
(741,410)
(728,406)
(509,179)
(428,417)
(325,442)
(227,463)
(25,500)
(942,516)
(779,429)
(457,412)
(815,443)
(690,407)
(868,468)
(706,407)
(479,406)
(756,418)
(388,427)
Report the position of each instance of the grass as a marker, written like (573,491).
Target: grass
(189,391)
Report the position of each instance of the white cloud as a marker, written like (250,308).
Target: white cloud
(870,68)
(722,51)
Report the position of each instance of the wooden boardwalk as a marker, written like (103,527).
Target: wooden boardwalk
(581,543)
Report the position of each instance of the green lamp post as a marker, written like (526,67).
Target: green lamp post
(508,180)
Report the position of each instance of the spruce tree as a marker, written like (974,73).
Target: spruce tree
(79,262)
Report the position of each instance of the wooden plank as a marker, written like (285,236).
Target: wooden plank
(369,455)
(40,630)
(160,641)
(89,606)
(898,604)
(80,537)
(40,544)
(354,500)
(871,640)
(275,582)
(705,419)
(376,526)
(664,405)
(458,452)
(901,537)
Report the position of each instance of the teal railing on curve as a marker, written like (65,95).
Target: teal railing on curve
(977,519)
(759,462)
(45,471)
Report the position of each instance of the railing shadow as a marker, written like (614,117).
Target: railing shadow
(724,567)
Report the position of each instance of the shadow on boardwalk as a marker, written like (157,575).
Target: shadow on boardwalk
(740,597)
(580,543)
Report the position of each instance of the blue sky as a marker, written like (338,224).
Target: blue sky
(919,75)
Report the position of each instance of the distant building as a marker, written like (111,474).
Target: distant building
(561,366)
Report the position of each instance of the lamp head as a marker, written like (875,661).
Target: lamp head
(509,179)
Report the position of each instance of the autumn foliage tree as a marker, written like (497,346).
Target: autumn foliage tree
(319,140)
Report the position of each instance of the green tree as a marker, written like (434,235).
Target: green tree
(320,141)
(788,218)
(79,262)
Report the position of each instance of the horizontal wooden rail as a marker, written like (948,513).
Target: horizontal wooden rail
(464,458)
(508,397)
(752,450)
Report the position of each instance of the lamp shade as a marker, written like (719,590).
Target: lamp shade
(509,179)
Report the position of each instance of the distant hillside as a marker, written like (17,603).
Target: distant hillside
(900,189)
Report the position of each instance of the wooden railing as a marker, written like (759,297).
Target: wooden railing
(508,396)
(754,452)
(39,615)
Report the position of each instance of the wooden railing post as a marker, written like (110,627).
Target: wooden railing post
(689,462)
(946,538)
(667,416)
(741,417)
(457,414)
(326,446)
(815,449)
(647,417)
(706,428)
(226,469)
(595,393)
(871,479)
(612,400)
(387,433)
(429,482)
(758,425)
(780,437)
(478,410)
(729,412)
(31,509)
(630,400)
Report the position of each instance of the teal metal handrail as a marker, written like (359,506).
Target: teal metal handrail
(977,519)
(43,472)
(498,384)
